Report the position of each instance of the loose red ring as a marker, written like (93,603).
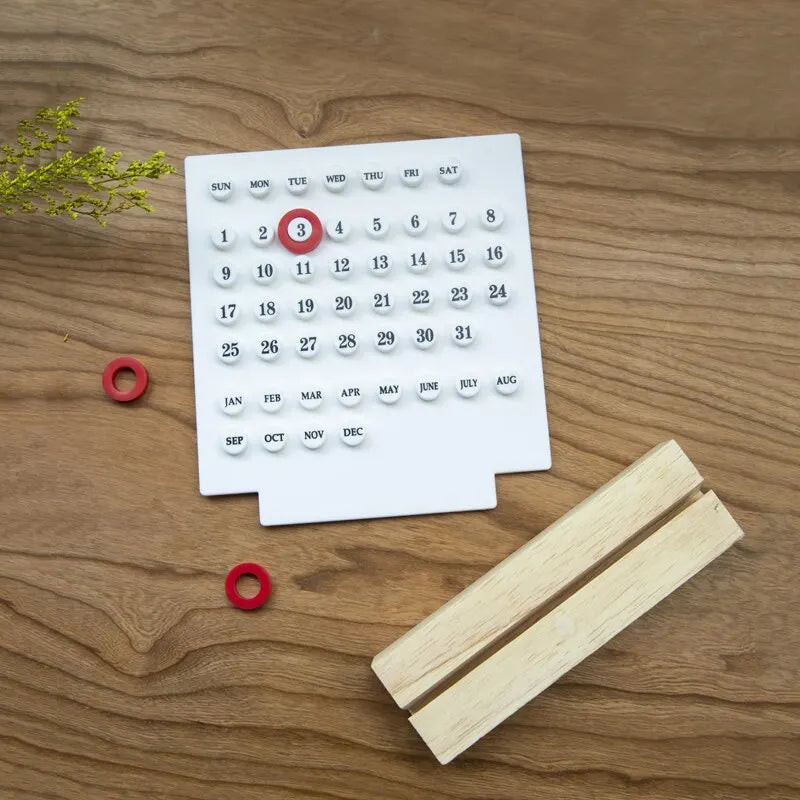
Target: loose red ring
(300,247)
(114,368)
(248,603)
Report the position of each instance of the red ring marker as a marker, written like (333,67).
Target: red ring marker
(113,368)
(248,603)
(300,247)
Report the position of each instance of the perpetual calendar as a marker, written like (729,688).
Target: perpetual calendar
(364,325)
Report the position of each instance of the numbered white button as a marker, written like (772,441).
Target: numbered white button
(341,267)
(229,352)
(343,305)
(297,184)
(303,270)
(385,341)
(389,393)
(307,346)
(232,404)
(274,441)
(411,175)
(337,229)
(420,299)
(377,227)
(224,276)
(507,383)
(335,179)
(373,177)
(457,258)
(497,294)
(234,444)
(227,313)
(380,265)
(453,221)
(346,344)
(449,171)
(269,349)
(220,190)
(271,402)
(266,311)
(311,399)
(463,335)
(418,261)
(299,229)
(223,238)
(264,273)
(350,396)
(491,218)
(259,187)
(495,255)
(262,235)
(415,224)
(424,338)
(428,389)
(352,435)
(460,296)
(382,303)
(313,438)
(468,386)
(305,308)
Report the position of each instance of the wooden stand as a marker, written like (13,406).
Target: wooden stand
(556,600)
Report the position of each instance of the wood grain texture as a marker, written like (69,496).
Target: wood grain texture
(662,152)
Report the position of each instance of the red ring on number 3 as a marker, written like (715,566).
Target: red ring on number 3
(300,247)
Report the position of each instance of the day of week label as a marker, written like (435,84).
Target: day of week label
(410,173)
(298,181)
(373,176)
(450,170)
(221,186)
(338,178)
(259,183)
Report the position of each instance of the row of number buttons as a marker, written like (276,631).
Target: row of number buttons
(376,227)
(427,389)
(336,179)
(379,265)
(345,305)
(346,344)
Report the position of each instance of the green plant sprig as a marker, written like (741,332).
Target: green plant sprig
(89,185)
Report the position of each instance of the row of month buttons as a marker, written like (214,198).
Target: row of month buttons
(336,179)
(312,438)
(427,389)
(301,228)
(345,305)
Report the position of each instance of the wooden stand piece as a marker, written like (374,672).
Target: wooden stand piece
(448,645)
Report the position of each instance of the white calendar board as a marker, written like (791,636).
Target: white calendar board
(393,368)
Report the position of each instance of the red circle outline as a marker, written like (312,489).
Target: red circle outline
(260,574)
(114,367)
(300,247)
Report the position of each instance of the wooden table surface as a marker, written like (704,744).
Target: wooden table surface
(662,153)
